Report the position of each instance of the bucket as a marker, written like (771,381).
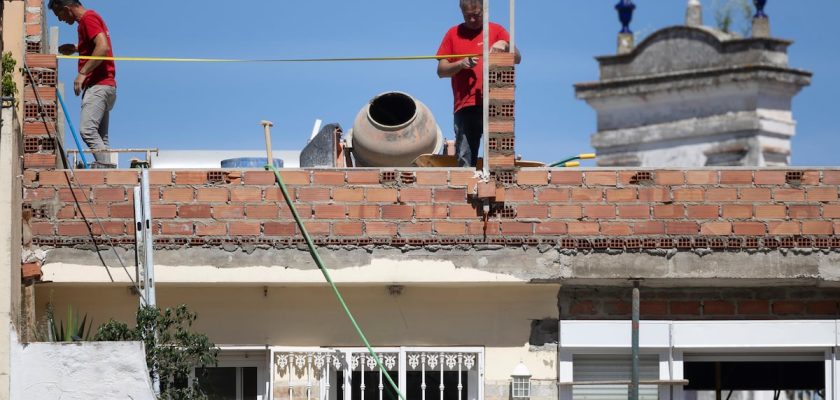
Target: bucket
(250,162)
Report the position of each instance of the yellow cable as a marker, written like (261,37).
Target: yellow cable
(289,60)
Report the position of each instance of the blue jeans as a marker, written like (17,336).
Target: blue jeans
(469,126)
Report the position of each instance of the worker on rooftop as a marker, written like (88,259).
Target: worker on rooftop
(467,76)
(96,80)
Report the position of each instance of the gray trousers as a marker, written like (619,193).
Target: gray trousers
(469,126)
(97,102)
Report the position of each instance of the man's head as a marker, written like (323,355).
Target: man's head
(64,10)
(473,11)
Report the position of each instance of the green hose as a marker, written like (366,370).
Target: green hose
(314,252)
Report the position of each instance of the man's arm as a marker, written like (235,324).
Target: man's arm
(100,49)
(448,69)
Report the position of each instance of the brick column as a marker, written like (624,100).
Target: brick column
(502,156)
(38,147)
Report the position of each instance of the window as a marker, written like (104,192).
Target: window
(240,375)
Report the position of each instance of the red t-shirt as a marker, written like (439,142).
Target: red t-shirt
(90,26)
(467,84)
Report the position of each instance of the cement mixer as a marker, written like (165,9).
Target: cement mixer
(392,130)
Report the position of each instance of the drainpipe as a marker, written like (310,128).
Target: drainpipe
(634,372)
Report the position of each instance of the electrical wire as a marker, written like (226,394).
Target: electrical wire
(283,60)
(71,178)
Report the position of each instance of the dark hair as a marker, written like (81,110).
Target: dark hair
(465,3)
(62,3)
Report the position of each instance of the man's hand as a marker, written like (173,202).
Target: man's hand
(77,84)
(469,62)
(67,49)
(500,47)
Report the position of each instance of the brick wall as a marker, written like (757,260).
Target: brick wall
(588,303)
(38,145)
(594,209)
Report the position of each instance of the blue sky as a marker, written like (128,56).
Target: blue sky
(219,106)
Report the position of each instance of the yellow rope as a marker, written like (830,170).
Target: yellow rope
(286,60)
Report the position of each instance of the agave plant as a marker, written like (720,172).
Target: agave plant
(74,331)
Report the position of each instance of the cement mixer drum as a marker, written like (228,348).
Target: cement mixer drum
(393,130)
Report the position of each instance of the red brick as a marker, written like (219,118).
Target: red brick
(228,212)
(193,211)
(269,211)
(329,211)
(431,211)
(826,307)
(721,195)
(685,308)
(567,212)
(616,229)
(409,228)
(121,211)
(275,194)
(41,60)
(587,195)
(354,228)
(754,307)
(177,228)
(532,211)
(682,228)
(783,228)
(279,228)
(738,211)
(90,177)
(654,195)
(822,194)
(517,228)
(317,228)
(414,195)
(95,211)
(634,212)
(532,177)
(770,177)
(701,177)
(351,195)
(718,307)
(111,228)
(450,228)
(399,212)
(38,128)
(837,228)
(831,177)
(73,229)
(736,177)
(831,211)
(216,195)
(584,228)
(71,195)
(755,194)
(669,177)
(789,194)
(462,178)
(212,229)
(387,229)
(716,228)
(582,308)
(566,177)
(804,212)
(768,211)
(313,194)
(295,177)
(109,194)
(817,228)
(123,178)
(621,195)
(160,177)
(601,178)
(463,211)
(328,178)
(191,177)
(519,195)
(260,178)
(53,178)
(246,194)
(42,229)
(370,177)
(39,161)
(749,228)
(177,194)
(703,212)
(788,307)
(653,307)
(436,178)
(45,94)
(618,308)
(689,195)
(598,211)
(363,211)
(482,228)
(381,195)
(39,194)
(164,211)
(649,228)
(450,195)
(811,178)
(669,211)
(551,228)
(30,271)
(549,195)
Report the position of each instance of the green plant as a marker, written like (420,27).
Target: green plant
(725,18)
(9,87)
(173,351)
(74,331)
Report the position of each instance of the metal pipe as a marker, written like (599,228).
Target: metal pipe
(486,95)
(634,371)
(513,26)
(72,129)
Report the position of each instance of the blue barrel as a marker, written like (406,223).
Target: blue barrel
(250,162)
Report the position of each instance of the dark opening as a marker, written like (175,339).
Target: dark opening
(793,375)
(392,109)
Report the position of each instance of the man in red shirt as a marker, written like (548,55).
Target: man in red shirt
(96,79)
(467,76)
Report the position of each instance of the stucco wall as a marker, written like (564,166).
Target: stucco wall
(83,371)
